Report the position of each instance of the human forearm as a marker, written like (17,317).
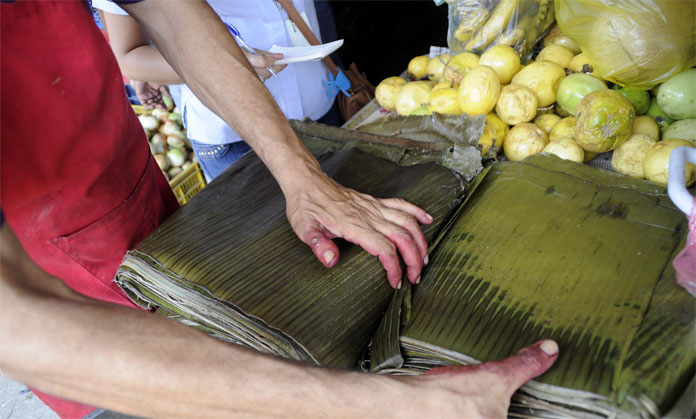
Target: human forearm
(138,363)
(211,63)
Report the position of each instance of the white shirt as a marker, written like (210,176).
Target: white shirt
(298,88)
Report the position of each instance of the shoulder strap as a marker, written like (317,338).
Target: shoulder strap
(308,34)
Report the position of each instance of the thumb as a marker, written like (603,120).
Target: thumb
(323,247)
(527,363)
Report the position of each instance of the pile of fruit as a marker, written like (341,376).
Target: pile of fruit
(168,142)
(557,104)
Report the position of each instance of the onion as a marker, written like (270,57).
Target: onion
(149,122)
(174,171)
(176,117)
(176,157)
(175,141)
(157,143)
(186,164)
(170,128)
(162,161)
(158,113)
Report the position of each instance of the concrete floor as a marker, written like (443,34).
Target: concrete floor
(17,402)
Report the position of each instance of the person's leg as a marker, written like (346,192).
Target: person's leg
(215,158)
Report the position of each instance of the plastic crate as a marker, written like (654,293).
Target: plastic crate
(187,183)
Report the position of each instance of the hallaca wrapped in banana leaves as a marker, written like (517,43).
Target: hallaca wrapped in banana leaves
(553,249)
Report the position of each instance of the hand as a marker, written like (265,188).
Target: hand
(324,210)
(263,60)
(483,390)
(151,94)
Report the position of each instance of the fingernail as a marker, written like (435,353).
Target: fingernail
(426,260)
(277,56)
(549,347)
(398,287)
(328,256)
(429,217)
(418,280)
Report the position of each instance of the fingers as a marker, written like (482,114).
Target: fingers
(263,61)
(323,247)
(511,372)
(402,205)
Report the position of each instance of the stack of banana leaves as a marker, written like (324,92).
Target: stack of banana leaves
(523,251)
(552,249)
(229,263)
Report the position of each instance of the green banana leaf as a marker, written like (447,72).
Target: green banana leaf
(553,249)
(229,263)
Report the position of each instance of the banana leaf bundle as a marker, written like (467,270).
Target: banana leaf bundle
(553,249)
(229,263)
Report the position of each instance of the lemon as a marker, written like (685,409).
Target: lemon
(444,101)
(628,158)
(557,54)
(567,149)
(516,104)
(504,60)
(413,95)
(436,66)
(543,78)
(645,125)
(523,140)
(459,65)
(547,121)
(581,64)
(501,128)
(386,92)
(418,66)
(656,161)
(479,91)
(565,128)
(444,85)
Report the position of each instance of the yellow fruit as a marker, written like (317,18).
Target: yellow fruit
(589,155)
(501,128)
(567,149)
(645,125)
(436,66)
(413,95)
(418,66)
(445,85)
(387,90)
(516,104)
(547,121)
(565,128)
(656,161)
(459,65)
(628,158)
(444,101)
(543,78)
(581,64)
(557,54)
(556,37)
(489,139)
(479,91)
(523,140)
(504,60)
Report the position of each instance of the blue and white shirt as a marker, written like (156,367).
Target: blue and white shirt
(298,89)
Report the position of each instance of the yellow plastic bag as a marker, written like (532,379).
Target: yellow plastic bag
(635,43)
(476,25)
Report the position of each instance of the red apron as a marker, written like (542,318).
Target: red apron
(77,182)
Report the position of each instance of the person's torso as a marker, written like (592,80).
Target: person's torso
(298,89)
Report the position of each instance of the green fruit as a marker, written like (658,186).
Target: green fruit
(684,129)
(654,111)
(573,88)
(640,99)
(604,120)
(421,110)
(677,96)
